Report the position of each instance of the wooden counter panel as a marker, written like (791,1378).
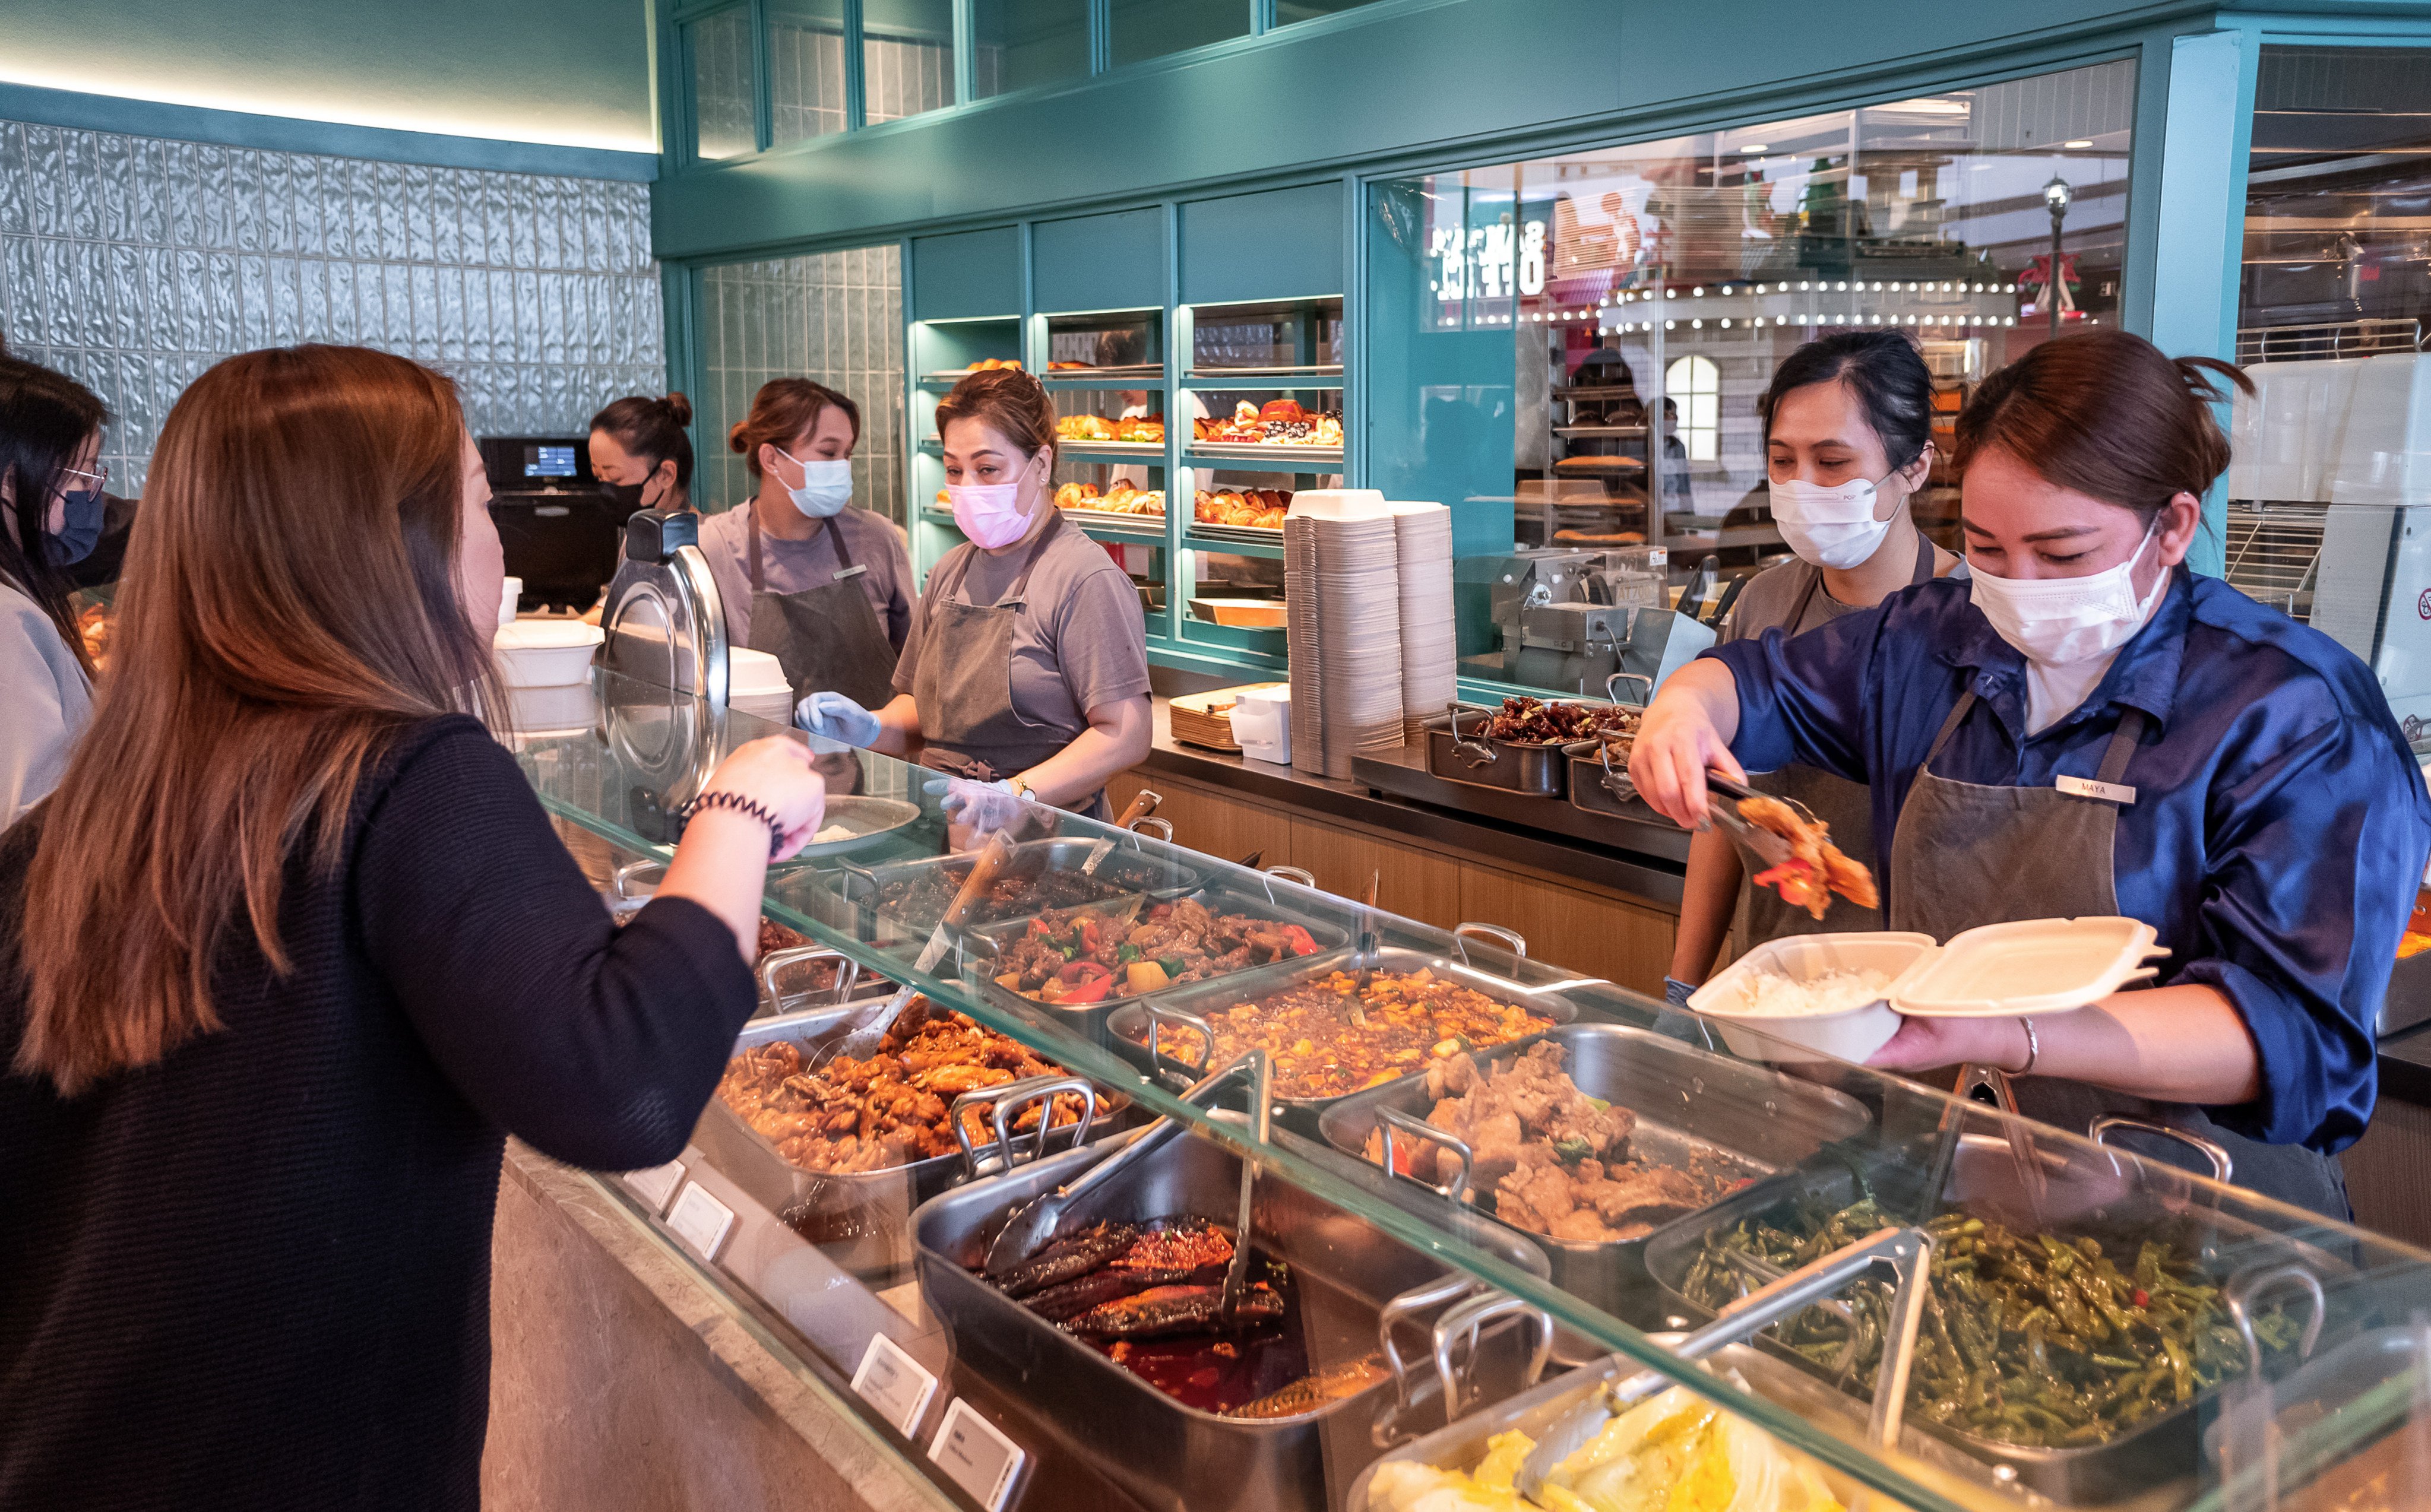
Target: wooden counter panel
(1210,822)
(1417,884)
(1593,934)
(2385,1172)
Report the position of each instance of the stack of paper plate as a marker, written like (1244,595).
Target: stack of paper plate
(1359,643)
(1301,640)
(1429,652)
(755,685)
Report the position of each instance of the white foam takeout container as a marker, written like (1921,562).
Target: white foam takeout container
(2038,966)
(1851,1034)
(546,653)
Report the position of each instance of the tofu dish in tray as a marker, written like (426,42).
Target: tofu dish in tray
(1545,1156)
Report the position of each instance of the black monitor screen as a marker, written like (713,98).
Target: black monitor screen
(547,461)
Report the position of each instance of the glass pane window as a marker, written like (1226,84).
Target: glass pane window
(2330,479)
(805,69)
(1287,11)
(1587,335)
(719,47)
(1152,29)
(907,58)
(1019,45)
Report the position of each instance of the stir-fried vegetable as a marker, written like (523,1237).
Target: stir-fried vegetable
(2029,1339)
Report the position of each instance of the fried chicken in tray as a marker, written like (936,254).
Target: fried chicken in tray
(1548,1158)
(890,1109)
(1533,721)
(1816,869)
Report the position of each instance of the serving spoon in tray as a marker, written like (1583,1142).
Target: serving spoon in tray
(862,1040)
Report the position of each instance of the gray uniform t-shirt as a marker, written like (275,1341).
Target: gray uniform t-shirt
(1082,644)
(1773,596)
(795,566)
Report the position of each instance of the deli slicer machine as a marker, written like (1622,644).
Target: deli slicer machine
(1568,619)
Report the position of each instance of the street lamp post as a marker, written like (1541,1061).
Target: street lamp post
(2057,195)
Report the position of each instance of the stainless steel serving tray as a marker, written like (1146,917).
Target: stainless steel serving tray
(1128,866)
(1745,1121)
(1539,771)
(1986,1180)
(1592,792)
(861,1220)
(1088,1020)
(1173,1457)
(1126,1028)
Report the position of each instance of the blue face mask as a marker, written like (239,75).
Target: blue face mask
(81,530)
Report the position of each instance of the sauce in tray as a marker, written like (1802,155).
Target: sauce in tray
(1219,1373)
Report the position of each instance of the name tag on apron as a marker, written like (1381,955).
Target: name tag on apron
(2109,792)
(854,570)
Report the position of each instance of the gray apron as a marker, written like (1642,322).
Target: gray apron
(1847,806)
(963,687)
(1999,854)
(828,638)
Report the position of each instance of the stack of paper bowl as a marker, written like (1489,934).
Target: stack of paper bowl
(546,653)
(1359,643)
(755,685)
(1302,638)
(1429,650)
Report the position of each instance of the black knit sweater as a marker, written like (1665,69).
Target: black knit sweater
(256,1274)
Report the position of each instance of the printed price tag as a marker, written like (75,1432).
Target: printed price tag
(981,1460)
(895,1384)
(700,1221)
(656,1185)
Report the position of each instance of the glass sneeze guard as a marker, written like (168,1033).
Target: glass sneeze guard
(1789,1155)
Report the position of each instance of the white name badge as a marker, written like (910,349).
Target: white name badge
(981,1459)
(656,1185)
(894,1383)
(2109,792)
(701,1220)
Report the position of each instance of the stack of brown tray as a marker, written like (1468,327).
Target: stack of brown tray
(1206,718)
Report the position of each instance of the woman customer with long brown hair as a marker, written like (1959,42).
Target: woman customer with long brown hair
(2085,728)
(292,950)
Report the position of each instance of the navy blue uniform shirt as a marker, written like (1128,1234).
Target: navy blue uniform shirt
(2280,822)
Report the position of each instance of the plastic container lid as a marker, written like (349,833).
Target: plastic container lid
(749,673)
(547,635)
(2035,966)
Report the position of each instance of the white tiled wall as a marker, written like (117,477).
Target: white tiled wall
(134,264)
(836,317)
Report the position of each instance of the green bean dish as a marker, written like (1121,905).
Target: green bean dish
(2028,1339)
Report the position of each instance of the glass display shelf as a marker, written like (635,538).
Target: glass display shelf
(1772,1156)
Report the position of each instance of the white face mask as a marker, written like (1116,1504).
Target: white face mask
(827,485)
(1830,527)
(2058,621)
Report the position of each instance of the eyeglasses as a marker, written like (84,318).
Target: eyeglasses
(100,478)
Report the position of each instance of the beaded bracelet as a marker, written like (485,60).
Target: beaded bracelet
(748,807)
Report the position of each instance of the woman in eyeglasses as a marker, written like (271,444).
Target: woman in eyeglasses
(51,507)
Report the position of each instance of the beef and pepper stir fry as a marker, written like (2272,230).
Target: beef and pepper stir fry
(2028,1338)
(1331,1037)
(890,1109)
(1074,957)
(1025,884)
(1533,721)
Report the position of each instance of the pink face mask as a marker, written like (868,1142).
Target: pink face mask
(989,514)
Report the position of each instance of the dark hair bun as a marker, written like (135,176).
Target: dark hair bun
(678,409)
(1883,369)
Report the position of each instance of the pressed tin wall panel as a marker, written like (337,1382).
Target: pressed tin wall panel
(134,264)
(836,317)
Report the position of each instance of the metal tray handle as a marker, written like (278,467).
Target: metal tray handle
(1004,1101)
(1158,1013)
(627,878)
(2245,1289)
(2215,1155)
(1475,753)
(1645,693)
(1300,874)
(1162,828)
(1510,939)
(1468,1320)
(1409,1389)
(1390,1118)
(773,965)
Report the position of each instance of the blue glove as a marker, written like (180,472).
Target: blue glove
(1675,991)
(983,806)
(834,717)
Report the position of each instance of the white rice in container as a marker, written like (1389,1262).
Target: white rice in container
(1770,995)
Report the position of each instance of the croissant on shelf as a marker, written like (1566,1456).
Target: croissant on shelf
(1100,428)
(1260,508)
(990,364)
(1122,498)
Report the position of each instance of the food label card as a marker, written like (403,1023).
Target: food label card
(894,1383)
(656,1185)
(981,1459)
(700,1221)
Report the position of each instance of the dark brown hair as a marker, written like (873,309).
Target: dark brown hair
(1008,402)
(45,417)
(1885,373)
(782,409)
(653,428)
(2106,414)
(291,604)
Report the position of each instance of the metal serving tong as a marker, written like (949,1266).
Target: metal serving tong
(1142,803)
(1906,1251)
(1034,1224)
(870,1032)
(1762,843)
